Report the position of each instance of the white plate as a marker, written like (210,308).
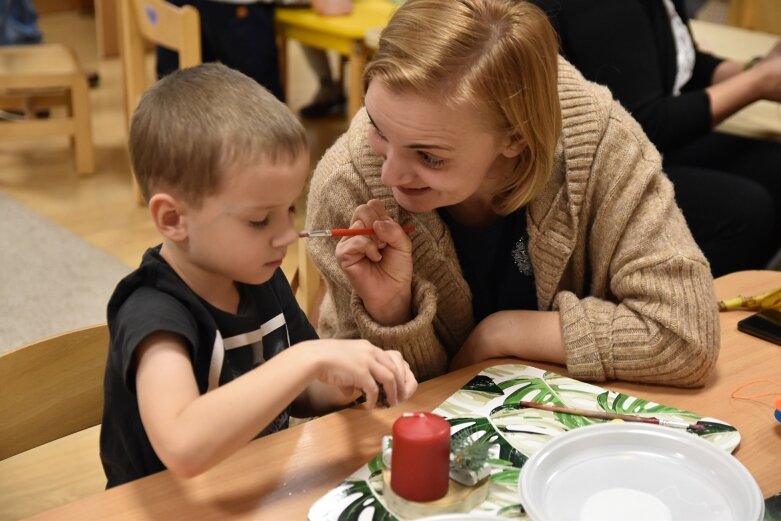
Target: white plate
(463,517)
(618,471)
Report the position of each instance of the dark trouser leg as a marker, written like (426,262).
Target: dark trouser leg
(243,38)
(730,218)
(755,159)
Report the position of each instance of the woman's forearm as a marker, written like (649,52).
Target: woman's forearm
(734,91)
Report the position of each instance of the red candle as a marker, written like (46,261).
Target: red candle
(420,459)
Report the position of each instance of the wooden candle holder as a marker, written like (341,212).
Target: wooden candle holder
(459,498)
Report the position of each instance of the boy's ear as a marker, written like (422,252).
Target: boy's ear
(513,146)
(168,215)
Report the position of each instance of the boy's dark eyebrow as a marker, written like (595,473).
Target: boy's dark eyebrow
(414,146)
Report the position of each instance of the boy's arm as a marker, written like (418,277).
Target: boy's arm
(191,432)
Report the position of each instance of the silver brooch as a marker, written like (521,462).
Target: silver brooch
(521,257)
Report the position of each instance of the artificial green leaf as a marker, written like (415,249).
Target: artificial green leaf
(506,476)
(376,464)
(483,428)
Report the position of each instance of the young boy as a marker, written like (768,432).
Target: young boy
(208,345)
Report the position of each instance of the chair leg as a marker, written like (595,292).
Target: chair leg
(82,122)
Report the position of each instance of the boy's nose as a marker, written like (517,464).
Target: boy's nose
(288,237)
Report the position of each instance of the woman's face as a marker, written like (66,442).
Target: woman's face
(435,155)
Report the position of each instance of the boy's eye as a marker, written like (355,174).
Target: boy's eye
(292,209)
(259,224)
(430,161)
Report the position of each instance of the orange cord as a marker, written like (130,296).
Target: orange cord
(753,397)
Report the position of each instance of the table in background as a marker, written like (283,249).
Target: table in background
(760,119)
(280,476)
(343,34)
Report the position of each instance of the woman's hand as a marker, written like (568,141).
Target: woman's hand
(770,65)
(529,335)
(379,267)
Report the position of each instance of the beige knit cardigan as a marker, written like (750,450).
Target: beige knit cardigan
(609,248)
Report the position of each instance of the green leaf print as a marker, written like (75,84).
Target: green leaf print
(539,390)
(481,428)
(625,404)
(512,512)
(365,500)
(483,384)
(713,428)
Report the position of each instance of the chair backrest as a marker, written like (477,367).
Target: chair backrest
(307,284)
(51,388)
(154,21)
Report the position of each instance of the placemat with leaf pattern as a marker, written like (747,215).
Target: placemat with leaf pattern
(486,409)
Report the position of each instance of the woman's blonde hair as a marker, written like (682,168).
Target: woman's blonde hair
(500,56)
(195,124)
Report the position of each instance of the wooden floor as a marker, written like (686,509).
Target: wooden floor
(100,208)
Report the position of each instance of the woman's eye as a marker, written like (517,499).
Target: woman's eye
(377,133)
(431,161)
(292,210)
(259,224)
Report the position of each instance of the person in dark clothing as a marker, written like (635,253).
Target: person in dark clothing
(208,346)
(729,187)
(239,34)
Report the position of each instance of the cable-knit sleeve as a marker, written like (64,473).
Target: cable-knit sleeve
(652,316)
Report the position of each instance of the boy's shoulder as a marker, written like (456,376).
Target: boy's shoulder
(152,289)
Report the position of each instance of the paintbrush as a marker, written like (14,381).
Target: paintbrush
(613,416)
(346,232)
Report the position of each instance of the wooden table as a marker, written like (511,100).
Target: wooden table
(280,476)
(343,34)
(760,119)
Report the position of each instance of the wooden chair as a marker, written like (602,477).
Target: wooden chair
(51,400)
(144,22)
(307,284)
(47,75)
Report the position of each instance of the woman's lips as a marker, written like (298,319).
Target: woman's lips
(274,264)
(412,191)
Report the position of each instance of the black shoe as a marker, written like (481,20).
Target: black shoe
(323,109)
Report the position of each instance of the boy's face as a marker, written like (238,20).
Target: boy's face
(242,232)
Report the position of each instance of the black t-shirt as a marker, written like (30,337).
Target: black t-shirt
(223,346)
(495,263)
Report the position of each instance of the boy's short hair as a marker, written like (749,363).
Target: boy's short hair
(193,125)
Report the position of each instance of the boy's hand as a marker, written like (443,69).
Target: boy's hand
(379,267)
(358,365)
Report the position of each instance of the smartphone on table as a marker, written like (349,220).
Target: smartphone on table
(766,325)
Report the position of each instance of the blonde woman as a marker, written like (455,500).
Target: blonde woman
(544,227)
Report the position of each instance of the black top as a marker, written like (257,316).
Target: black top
(628,45)
(495,262)
(223,346)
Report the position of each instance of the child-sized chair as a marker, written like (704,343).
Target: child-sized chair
(47,75)
(51,404)
(142,22)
